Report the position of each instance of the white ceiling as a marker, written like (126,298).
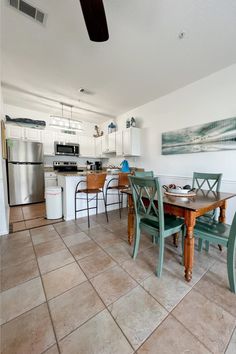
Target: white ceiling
(143,59)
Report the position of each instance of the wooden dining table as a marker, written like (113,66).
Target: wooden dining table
(189,208)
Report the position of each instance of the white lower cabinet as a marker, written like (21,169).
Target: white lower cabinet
(50,179)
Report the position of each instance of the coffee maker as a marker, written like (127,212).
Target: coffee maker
(98,165)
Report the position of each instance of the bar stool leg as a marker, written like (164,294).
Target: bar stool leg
(119,203)
(88,210)
(97,204)
(105,204)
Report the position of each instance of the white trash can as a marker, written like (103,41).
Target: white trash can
(53,202)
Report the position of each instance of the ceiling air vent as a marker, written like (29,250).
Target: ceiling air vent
(29,10)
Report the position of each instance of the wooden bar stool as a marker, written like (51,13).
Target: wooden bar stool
(122,183)
(94,186)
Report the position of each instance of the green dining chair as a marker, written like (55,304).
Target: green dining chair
(210,182)
(147,195)
(144,174)
(221,234)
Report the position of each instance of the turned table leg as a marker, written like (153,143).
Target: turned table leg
(189,244)
(130,219)
(222,217)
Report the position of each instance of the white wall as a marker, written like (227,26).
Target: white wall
(4,207)
(206,100)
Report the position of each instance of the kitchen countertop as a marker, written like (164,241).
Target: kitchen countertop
(84,173)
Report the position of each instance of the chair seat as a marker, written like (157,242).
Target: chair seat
(117,187)
(171,222)
(211,228)
(89,191)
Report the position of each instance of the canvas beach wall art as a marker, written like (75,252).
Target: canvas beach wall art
(213,136)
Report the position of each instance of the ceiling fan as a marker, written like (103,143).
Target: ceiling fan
(95,20)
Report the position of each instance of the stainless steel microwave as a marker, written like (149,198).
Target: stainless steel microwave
(67,149)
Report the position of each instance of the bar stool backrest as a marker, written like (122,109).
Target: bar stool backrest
(123,179)
(96,180)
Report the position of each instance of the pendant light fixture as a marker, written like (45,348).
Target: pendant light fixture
(61,122)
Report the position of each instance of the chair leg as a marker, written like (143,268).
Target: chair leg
(176,239)
(207,245)
(137,239)
(88,210)
(183,237)
(161,257)
(105,204)
(199,244)
(97,204)
(75,206)
(230,267)
(119,203)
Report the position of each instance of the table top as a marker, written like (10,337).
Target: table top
(201,200)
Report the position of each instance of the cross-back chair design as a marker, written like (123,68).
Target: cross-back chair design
(221,234)
(210,182)
(94,186)
(122,182)
(150,217)
(144,174)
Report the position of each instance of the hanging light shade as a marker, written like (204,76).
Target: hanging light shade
(61,122)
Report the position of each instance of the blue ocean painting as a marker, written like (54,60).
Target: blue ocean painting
(214,136)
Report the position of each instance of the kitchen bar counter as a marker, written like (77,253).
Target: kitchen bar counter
(84,173)
(69,180)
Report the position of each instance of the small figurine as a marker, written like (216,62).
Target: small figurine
(127,123)
(132,122)
(97,132)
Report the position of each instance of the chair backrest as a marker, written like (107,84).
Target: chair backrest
(232,234)
(144,174)
(123,179)
(209,181)
(147,195)
(96,180)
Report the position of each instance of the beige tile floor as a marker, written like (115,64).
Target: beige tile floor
(28,216)
(67,289)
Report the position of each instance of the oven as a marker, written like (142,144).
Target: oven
(66,149)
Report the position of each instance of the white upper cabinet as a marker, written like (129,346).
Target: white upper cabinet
(119,143)
(109,143)
(47,138)
(98,146)
(14,132)
(87,146)
(32,134)
(131,142)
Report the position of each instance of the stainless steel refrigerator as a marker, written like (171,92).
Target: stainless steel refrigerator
(25,172)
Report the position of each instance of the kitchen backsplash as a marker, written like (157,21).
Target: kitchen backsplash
(81,161)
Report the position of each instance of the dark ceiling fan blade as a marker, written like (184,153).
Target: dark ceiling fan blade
(95,19)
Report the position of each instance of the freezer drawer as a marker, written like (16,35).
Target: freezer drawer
(25,183)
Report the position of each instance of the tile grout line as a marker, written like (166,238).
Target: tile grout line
(49,311)
(226,347)
(106,307)
(169,312)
